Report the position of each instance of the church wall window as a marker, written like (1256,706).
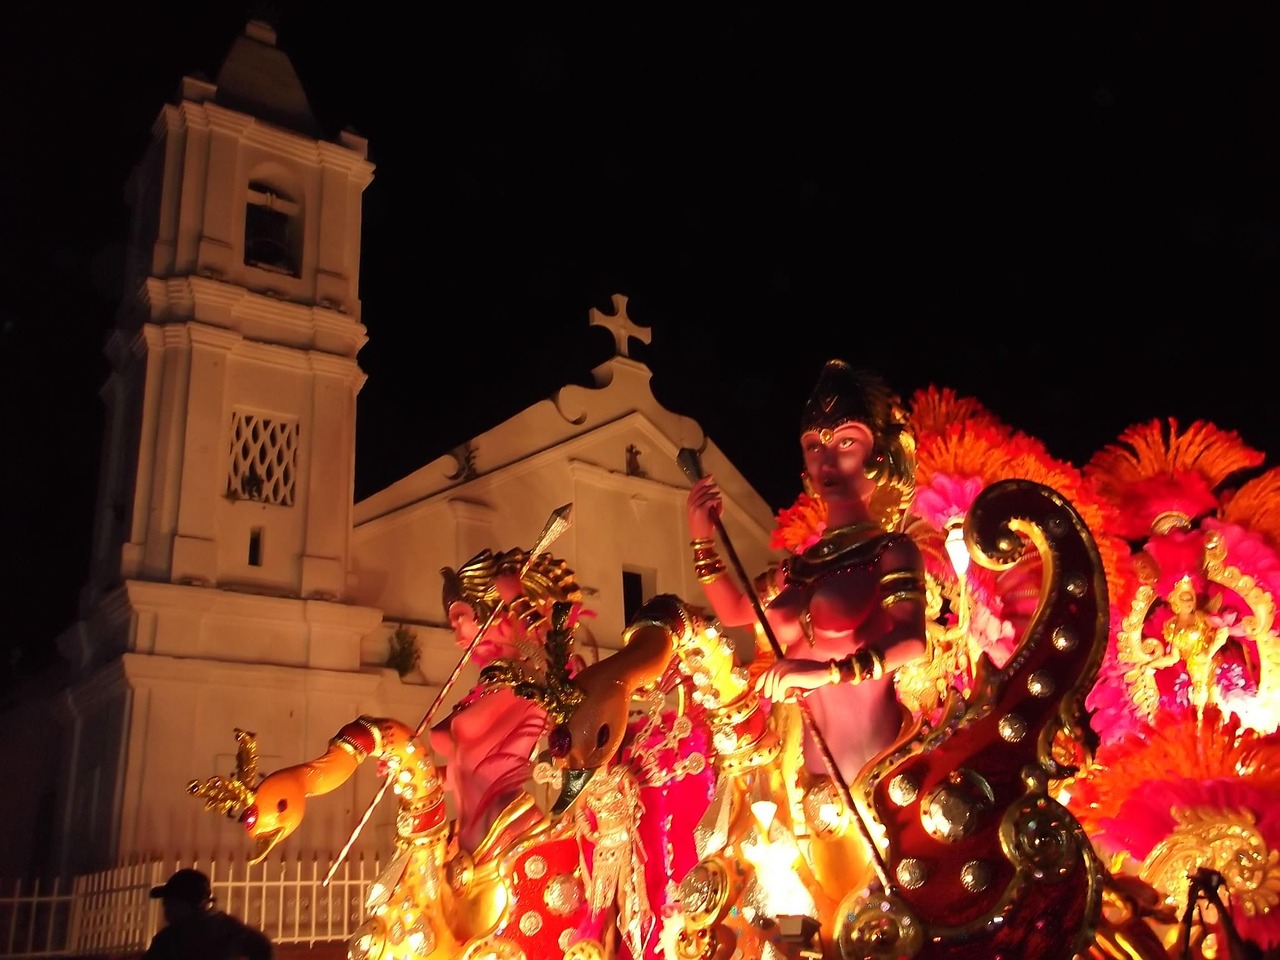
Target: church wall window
(255,547)
(637,586)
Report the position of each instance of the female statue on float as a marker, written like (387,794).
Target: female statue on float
(847,610)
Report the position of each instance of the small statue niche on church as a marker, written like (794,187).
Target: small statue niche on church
(633,462)
(465,456)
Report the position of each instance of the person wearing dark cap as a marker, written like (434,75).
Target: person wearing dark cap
(196,930)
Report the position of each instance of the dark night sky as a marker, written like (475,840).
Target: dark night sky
(1069,211)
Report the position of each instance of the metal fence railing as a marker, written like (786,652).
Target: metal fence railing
(33,923)
(110,913)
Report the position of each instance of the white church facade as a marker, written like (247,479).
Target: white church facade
(234,581)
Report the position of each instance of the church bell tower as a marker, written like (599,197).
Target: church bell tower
(231,403)
(218,589)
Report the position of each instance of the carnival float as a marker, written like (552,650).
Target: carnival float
(1087,766)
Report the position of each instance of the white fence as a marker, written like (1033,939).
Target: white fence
(111,913)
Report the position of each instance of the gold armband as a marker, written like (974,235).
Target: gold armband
(863,664)
(666,611)
(361,738)
(707,564)
(899,585)
(871,662)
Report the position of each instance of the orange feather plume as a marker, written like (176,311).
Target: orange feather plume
(1146,450)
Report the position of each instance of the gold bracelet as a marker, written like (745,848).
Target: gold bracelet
(708,568)
(834,674)
(707,564)
(863,664)
(870,664)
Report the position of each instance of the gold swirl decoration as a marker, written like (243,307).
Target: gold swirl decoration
(1139,652)
(1258,626)
(977,855)
(1227,841)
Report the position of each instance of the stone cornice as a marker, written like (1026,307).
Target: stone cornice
(157,596)
(623,483)
(175,117)
(208,115)
(329,365)
(470,510)
(334,326)
(338,157)
(620,482)
(203,335)
(111,610)
(145,669)
(536,461)
(234,344)
(254,132)
(107,682)
(252,315)
(124,347)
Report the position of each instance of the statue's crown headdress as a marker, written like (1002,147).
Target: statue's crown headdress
(544,579)
(845,395)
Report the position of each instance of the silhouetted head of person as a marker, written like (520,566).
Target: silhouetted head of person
(185,894)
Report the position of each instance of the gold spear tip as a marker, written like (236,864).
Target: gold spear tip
(556,524)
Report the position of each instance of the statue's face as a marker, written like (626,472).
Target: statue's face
(463,620)
(1183,599)
(497,641)
(835,461)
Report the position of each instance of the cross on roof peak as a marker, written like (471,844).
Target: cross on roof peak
(620,325)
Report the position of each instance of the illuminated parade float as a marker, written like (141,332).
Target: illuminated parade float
(1084,762)
(962,700)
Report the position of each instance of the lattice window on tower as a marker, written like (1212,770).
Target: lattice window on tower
(264,459)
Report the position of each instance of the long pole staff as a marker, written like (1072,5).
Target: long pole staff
(692,466)
(556,524)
